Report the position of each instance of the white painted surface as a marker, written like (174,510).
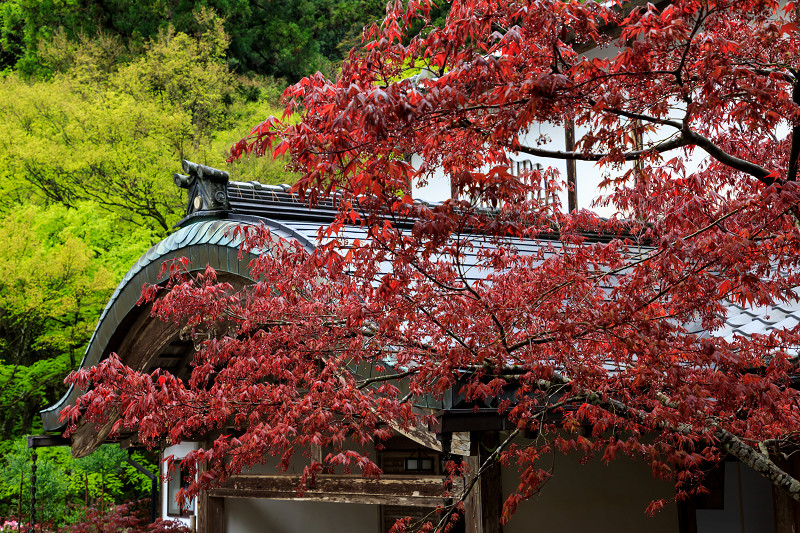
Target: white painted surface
(589,175)
(593,497)
(278,516)
(179,451)
(748,506)
(437,189)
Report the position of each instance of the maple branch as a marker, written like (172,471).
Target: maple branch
(757,171)
(389,377)
(678,76)
(789,77)
(441,326)
(530,341)
(757,460)
(644,118)
(687,137)
(501,330)
(664,146)
(493,457)
(730,442)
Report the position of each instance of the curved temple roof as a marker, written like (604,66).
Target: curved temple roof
(204,241)
(205,238)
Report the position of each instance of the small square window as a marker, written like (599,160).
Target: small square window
(419,464)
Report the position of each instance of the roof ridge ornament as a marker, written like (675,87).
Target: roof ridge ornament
(208,191)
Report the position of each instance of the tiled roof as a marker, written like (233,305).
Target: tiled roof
(746,321)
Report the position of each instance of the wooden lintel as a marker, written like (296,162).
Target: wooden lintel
(45,441)
(130,441)
(417,491)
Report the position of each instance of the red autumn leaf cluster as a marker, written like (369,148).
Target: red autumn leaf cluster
(598,333)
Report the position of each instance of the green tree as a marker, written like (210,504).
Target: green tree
(52,485)
(58,267)
(93,129)
(109,147)
(184,73)
(283,38)
(66,487)
(112,130)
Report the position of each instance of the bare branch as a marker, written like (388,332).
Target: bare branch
(757,171)
(664,146)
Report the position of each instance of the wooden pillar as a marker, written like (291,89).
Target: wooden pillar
(787,510)
(483,506)
(572,179)
(687,516)
(210,509)
(162,489)
(210,514)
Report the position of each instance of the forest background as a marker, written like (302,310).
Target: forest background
(99,102)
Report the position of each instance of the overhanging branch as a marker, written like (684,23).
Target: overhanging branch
(634,155)
(757,171)
(729,442)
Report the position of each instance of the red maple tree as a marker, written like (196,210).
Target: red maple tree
(600,332)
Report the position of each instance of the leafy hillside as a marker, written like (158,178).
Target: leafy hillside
(100,100)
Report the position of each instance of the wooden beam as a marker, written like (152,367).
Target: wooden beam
(572,179)
(46,441)
(210,510)
(416,491)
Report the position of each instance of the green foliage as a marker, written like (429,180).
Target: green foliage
(66,487)
(99,101)
(105,475)
(111,132)
(52,485)
(58,267)
(283,38)
(184,73)
(109,147)
(291,38)
(86,159)
(24,388)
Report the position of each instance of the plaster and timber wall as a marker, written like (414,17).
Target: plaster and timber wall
(593,497)
(747,504)
(546,136)
(281,516)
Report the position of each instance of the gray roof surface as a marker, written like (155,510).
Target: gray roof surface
(746,321)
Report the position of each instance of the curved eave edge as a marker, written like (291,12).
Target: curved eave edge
(185,241)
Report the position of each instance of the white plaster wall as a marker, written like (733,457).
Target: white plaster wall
(588,174)
(178,451)
(593,497)
(748,506)
(278,516)
(545,136)
(436,190)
